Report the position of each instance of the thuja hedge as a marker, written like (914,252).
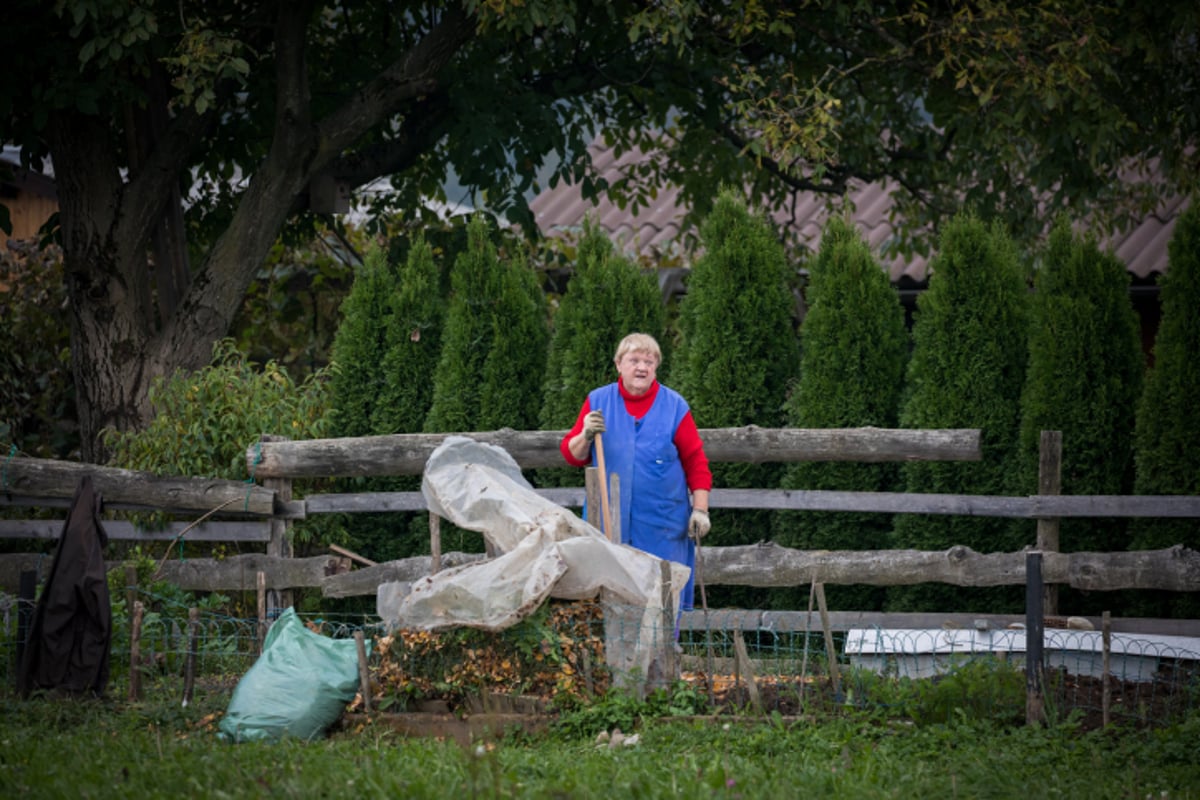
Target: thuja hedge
(1168,421)
(1085,375)
(854,348)
(738,353)
(607,297)
(967,371)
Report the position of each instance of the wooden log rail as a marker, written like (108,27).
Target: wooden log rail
(41,482)
(406,453)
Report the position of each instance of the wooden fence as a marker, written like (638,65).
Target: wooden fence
(259,512)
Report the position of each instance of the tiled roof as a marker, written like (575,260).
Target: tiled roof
(660,227)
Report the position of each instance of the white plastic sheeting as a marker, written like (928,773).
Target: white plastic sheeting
(545,551)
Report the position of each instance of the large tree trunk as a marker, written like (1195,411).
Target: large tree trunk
(119,341)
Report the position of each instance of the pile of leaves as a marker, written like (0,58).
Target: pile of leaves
(556,654)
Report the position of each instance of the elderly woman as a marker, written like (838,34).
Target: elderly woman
(652,444)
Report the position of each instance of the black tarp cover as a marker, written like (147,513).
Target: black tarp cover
(72,623)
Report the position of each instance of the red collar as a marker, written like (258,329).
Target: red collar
(638,405)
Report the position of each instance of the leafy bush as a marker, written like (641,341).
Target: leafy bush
(205,421)
(37,396)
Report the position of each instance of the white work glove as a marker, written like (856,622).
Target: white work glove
(699,525)
(593,423)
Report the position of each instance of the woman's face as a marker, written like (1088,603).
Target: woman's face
(637,370)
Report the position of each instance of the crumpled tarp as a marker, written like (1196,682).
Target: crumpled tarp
(545,551)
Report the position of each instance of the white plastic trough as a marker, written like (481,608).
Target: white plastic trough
(924,653)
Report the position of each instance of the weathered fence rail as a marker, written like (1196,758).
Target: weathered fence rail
(262,513)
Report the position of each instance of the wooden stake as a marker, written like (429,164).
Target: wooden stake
(135,653)
(261,582)
(746,669)
(189,670)
(830,652)
(364,676)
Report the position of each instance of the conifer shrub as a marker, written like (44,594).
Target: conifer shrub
(606,298)
(1167,434)
(359,347)
(1084,379)
(493,354)
(967,370)
(737,353)
(854,347)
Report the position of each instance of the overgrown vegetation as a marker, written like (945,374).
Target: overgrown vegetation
(204,421)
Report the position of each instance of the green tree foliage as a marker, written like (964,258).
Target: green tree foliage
(360,347)
(493,357)
(853,351)
(967,370)
(607,297)
(1084,379)
(219,126)
(1167,435)
(738,349)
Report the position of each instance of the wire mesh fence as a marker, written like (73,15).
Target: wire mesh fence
(576,652)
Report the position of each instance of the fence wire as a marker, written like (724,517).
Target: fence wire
(579,651)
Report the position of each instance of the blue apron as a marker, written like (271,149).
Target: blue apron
(655,508)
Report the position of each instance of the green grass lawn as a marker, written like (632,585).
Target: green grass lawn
(77,749)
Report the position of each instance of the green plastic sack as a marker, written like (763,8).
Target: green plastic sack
(298,687)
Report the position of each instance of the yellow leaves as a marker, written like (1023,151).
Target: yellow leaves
(546,658)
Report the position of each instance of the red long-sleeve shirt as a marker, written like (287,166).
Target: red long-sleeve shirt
(686,438)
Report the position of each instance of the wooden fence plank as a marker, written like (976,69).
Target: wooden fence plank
(406,453)
(38,479)
(245,531)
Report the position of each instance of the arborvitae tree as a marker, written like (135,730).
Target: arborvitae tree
(738,351)
(414,339)
(853,350)
(493,355)
(607,297)
(360,345)
(966,371)
(1084,378)
(1167,436)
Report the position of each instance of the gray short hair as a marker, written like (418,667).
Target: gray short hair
(638,342)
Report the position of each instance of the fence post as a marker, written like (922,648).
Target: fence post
(280,544)
(435,543)
(1106,678)
(1034,638)
(1049,483)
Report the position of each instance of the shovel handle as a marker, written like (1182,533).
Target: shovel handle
(605,510)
